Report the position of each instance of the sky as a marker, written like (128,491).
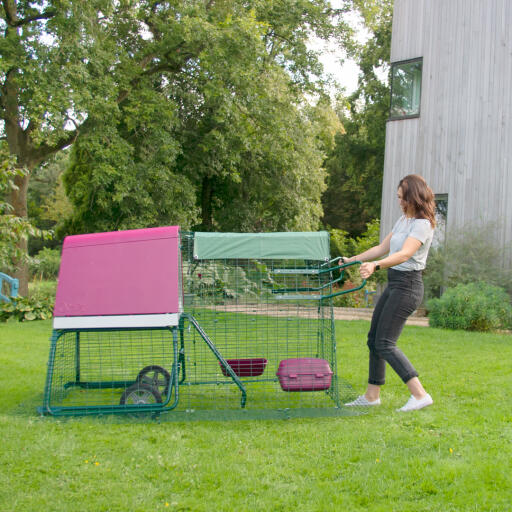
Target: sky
(344,73)
(344,70)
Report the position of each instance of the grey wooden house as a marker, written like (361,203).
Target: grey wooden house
(451,110)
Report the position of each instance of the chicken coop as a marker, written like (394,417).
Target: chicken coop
(196,325)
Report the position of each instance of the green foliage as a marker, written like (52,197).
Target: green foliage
(25,309)
(46,264)
(355,166)
(42,289)
(473,307)
(434,273)
(226,142)
(12,228)
(48,205)
(38,305)
(344,245)
(117,182)
(467,256)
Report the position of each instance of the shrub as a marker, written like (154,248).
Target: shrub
(343,245)
(468,256)
(473,307)
(26,309)
(46,264)
(42,290)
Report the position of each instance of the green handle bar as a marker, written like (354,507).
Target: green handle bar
(324,271)
(343,292)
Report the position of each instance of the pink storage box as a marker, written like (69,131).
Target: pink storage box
(304,374)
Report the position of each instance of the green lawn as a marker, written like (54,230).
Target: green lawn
(453,456)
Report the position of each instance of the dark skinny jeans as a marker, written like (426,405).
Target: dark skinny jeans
(402,297)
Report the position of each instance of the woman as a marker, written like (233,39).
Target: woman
(407,248)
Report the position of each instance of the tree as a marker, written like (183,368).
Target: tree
(355,166)
(246,144)
(47,202)
(254,152)
(67,66)
(12,227)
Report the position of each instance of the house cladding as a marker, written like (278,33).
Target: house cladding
(462,140)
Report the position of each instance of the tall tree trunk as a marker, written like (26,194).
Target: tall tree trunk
(18,200)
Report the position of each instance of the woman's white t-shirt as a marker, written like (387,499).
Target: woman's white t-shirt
(421,230)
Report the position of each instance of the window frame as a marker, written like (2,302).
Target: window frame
(440,237)
(406,116)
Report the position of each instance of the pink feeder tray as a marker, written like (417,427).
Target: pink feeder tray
(245,367)
(304,374)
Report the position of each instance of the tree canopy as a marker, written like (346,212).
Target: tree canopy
(355,166)
(165,100)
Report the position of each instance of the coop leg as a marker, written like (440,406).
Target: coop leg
(181,357)
(46,409)
(175,371)
(77,357)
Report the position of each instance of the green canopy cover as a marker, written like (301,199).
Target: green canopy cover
(287,245)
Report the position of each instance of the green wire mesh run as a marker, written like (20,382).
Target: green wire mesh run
(244,320)
(253,311)
(110,371)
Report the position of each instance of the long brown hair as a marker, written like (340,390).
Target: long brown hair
(419,197)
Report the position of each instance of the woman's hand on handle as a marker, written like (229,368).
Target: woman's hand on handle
(344,260)
(367,269)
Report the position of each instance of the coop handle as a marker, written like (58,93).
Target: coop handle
(339,267)
(343,292)
(322,297)
(296,375)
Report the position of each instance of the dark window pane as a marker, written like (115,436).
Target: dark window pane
(406,88)
(441,216)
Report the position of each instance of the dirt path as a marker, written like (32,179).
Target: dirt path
(366,314)
(339,313)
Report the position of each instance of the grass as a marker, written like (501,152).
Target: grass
(42,288)
(453,456)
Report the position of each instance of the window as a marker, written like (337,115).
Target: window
(441,216)
(406,89)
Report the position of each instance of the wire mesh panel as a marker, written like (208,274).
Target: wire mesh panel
(252,334)
(109,370)
(265,319)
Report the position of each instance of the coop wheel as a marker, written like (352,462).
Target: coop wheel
(155,376)
(140,394)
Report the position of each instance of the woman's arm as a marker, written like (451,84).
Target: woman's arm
(375,252)
(411,245)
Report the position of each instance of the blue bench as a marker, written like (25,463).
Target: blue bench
(367,297)
(12,282)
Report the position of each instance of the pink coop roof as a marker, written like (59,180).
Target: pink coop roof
(135,272)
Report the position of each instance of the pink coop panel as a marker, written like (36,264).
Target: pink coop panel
(134,272)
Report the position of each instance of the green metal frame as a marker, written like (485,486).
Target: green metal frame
(218,355)
(178,367)
(320,293)
(329,284)
(48,408)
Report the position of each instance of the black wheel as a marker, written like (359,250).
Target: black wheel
(155,376)
(140,394)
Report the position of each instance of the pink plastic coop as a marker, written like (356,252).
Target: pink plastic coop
(304,374)
(120,279)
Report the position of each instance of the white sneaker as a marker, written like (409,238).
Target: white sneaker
(363,401)
(413,404)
